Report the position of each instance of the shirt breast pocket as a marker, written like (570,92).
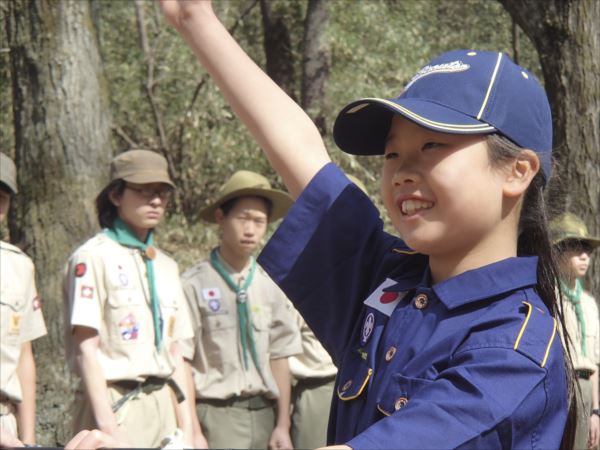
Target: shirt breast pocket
(399,392)
(353,378)
(126,317)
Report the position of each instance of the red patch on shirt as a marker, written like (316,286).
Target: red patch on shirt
(388,297)
(37,303)
(80,270)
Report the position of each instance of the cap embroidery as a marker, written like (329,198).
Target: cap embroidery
(450,67)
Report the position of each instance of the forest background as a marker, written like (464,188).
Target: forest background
(82,80)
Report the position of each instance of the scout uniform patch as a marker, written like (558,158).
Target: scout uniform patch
(383,301)
(129,328)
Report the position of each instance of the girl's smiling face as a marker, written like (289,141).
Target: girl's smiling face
(441,191)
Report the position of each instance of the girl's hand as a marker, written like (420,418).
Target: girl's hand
(177,12)
(594,431)
(86,439)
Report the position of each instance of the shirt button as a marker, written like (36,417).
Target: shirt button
(346,385)
(390,354)
(421,301)
(400,402)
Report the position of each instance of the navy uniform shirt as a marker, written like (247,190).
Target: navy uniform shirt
(472,362)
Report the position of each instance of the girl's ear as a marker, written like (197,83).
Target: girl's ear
(520,172)
(114,198)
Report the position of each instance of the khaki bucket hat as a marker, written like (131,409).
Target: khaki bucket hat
(140,166)
(245,183)
(8,172)
(568,226)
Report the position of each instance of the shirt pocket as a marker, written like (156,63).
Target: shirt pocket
(353,378)
(219,340)
(11,316)
(126,315)
(399,392)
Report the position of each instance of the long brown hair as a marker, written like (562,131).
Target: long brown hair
(534,240)
(106,211)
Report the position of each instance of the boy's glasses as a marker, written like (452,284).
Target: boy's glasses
(150,193)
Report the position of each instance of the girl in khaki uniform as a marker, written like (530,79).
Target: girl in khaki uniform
(21,322)
(244,332)
(575,246)
(126,312)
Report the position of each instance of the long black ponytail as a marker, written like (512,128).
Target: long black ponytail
(534,240)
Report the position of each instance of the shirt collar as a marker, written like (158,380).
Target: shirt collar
(488,281)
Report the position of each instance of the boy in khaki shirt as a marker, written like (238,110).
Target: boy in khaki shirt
(21,322)
(244,332)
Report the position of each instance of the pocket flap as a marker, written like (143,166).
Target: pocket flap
(399,392)
(353,382)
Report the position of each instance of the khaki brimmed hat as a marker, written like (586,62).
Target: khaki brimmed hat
(140,166)
(8,172)
(244,183)
(568,226)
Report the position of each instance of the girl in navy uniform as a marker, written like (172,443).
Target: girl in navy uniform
(448,337)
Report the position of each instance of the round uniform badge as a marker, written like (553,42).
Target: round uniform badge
(367,329)
(80,270)
(214,304)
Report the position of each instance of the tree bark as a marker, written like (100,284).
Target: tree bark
(566,34)
(62,148)
(316,62)
(278,49)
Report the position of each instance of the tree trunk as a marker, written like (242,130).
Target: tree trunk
(316,62)
(278,49)
(566,34)
(62,132)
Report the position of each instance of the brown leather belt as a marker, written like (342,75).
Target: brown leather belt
(147,386)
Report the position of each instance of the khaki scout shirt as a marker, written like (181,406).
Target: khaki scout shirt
(591,360)
(21,317)
(314,361)
(106,289)
(216,352)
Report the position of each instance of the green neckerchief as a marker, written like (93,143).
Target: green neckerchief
(241,299)
(574,297)
(121,233)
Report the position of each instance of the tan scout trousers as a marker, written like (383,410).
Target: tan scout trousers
(146,418)
(584,406)
(227,425)
(311,402)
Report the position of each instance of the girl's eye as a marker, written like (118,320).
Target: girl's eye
(430,145)
(391,155)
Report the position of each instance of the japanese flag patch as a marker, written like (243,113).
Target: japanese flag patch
(384,302)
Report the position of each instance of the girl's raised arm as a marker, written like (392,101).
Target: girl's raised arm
(288,136)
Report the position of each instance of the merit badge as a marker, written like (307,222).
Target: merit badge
(171,327)
(367,329)
(129,328)
(123,279)
(14,323)
(87,291)
(214,304)
(384,301)
(37,303)
(80,270)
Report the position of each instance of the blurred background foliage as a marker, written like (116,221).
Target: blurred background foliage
(162,99)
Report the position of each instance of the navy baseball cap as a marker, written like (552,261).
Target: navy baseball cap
(459,92)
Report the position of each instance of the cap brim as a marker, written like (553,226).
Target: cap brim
(361,128)
(149,177)
(595,243)
(280,201)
